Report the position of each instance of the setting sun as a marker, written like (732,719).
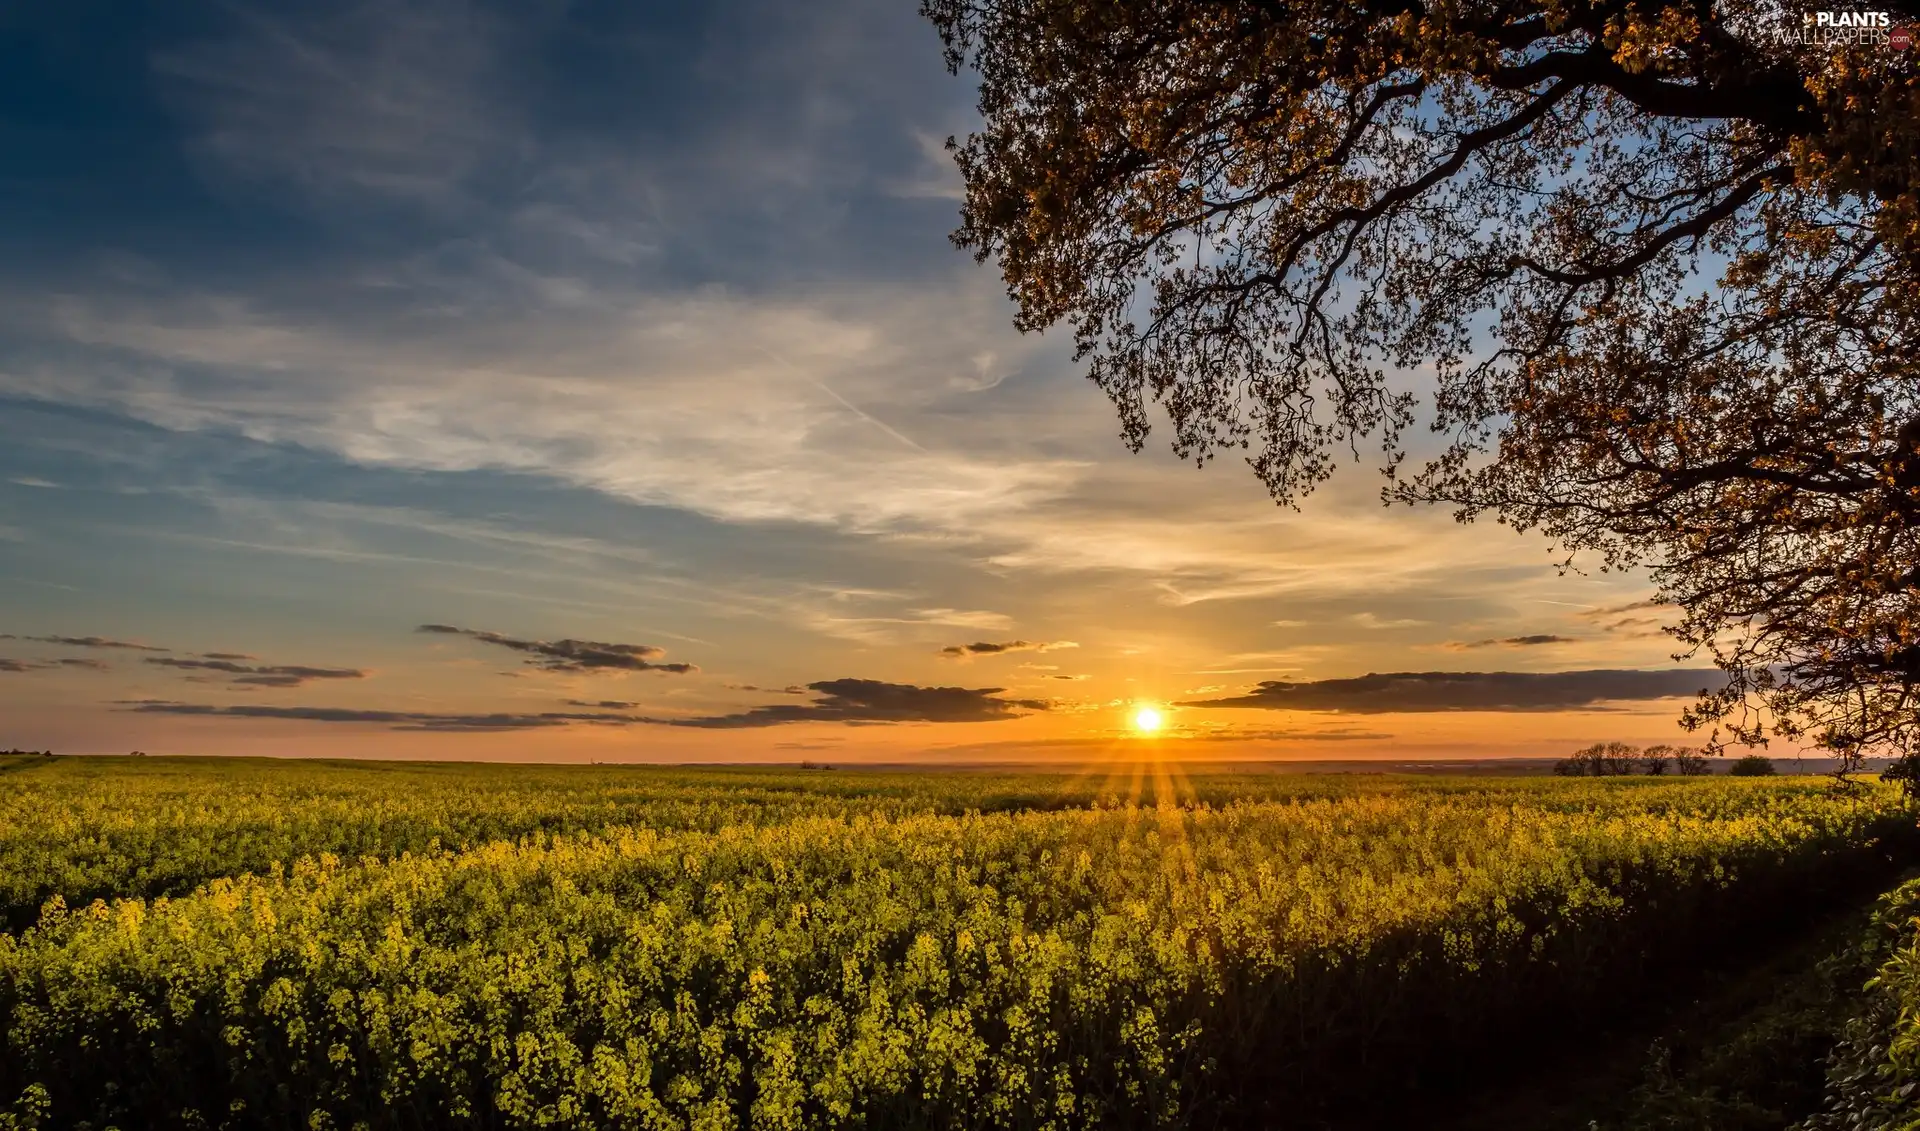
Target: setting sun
(1147,720)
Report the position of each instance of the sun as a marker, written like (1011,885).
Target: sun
(1147,719)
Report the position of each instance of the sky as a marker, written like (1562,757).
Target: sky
(576,381)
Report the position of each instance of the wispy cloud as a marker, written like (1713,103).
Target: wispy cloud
(836,619)
(346,101)
(264,675)
(14,665)
(395,720)
(87,642)
(1375,622)
(1533,640)
(1634,619)
(573,655)
(849,701)
(991,648)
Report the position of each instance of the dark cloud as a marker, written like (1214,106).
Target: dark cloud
(1510,642)
(860,701)
(1470,691)
(269,675)
(573,655)
(989,648)
(87,642)
(790,689)
(7,665)
(227,656)
(1070,677)
(395,720)
(854,702)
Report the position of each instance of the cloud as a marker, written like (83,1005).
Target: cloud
(395,720)
(790,689)
(857,701)
(1532,641)
(227,656)
(1069,677)
(573,655)
(1281,735)
(87,642)
(1631,606)
(891,629)
(1372,621)
(642,395)
(1618,620)
(1377,693)
(936,179)
(987,648)
(270,675)
(10,665)
(351,100)
(603,704)
(851,701)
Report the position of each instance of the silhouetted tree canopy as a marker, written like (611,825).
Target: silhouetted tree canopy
(1602,759)
(1652,264)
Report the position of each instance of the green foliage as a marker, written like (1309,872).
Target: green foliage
(1749,1053)
(1873,1075)
(687,949)
(1753,766)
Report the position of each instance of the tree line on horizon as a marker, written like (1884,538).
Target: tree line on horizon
(1610,759)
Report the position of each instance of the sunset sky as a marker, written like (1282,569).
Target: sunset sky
(596,381)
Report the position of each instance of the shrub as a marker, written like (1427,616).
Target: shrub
(1753,766)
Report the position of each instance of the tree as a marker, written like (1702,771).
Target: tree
(1656,759)
(1659,257)
(1689,762)
(1602,759)
(1753,766)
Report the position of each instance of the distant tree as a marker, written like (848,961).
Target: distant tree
(1602,759)
(1655,759)
(1753,766)
(1690,762)
(1661,257)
